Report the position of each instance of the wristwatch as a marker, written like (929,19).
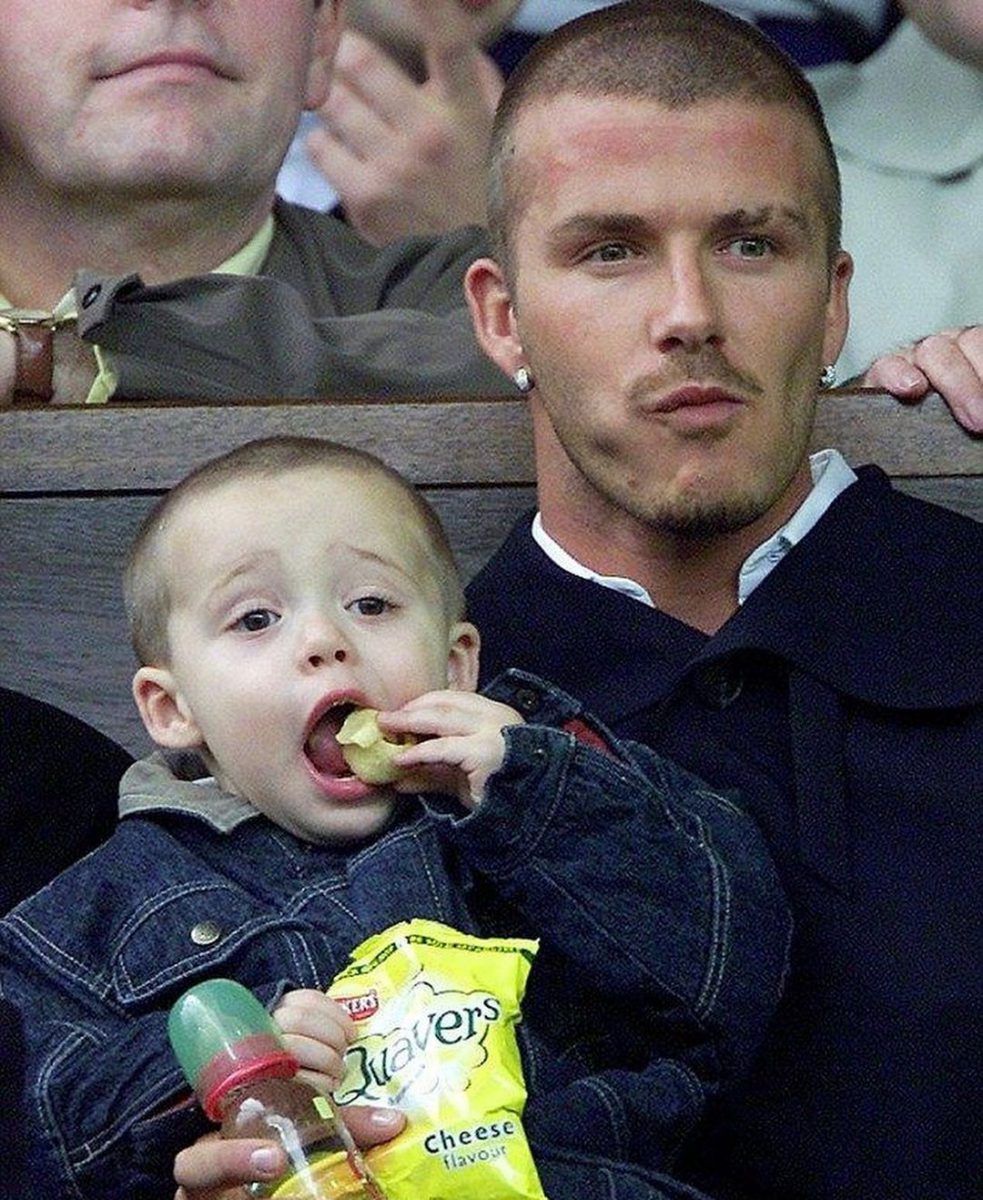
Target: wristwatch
(34,334)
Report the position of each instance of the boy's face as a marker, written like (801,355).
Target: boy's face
(295,597)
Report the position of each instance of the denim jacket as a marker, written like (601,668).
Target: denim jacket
(663,942)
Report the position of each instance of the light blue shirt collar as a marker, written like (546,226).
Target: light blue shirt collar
(831,474)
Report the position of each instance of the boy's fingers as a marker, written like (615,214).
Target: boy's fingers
(372,1126)
(216,1169)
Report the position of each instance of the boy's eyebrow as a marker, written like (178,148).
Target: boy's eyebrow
(242,566)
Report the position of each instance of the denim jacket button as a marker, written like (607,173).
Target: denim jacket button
(206,933)
(526,700)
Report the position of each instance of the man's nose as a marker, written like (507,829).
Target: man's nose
(686,317)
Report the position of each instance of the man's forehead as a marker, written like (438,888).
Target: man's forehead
(569,150)
(569,122)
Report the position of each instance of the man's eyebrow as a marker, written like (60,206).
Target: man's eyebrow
(741,219)
(585,226)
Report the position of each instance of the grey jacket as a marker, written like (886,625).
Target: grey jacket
(329,316)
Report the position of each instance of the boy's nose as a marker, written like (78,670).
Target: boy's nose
(323,643)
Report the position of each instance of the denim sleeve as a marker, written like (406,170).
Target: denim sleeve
(102,1103)
(657,904)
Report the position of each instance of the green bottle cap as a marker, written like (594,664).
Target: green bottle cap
(223,1037)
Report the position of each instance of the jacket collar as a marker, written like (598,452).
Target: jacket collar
(150,785)
(881,602)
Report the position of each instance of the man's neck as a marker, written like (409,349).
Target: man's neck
(42,246)
(689,577)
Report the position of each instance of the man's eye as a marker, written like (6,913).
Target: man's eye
(750,247)
(256,619)
(610,252)
(370,606)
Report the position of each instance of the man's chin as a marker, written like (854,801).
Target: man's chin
(702,517)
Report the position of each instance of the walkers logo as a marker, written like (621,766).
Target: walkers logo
(360,1008)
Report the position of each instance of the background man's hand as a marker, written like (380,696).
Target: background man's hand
(949,362)
(408,157)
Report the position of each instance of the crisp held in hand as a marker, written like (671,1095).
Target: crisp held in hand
(367,750)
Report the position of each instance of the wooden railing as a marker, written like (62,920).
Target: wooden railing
(75,482)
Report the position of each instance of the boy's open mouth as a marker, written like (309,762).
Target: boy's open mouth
(322,747)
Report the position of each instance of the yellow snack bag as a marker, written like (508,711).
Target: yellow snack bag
(435,1012)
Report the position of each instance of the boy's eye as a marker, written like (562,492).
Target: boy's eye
(256,619)
(371,606)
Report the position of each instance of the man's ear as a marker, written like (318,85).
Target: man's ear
(493,315)
(165,715)
(328,23)
(462,657)
(837,307)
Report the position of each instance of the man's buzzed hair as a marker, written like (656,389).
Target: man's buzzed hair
(147,590)
(675,52)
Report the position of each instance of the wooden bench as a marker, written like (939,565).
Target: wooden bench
(75,482)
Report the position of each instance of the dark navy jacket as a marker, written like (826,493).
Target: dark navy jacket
(844,700)
(663,941)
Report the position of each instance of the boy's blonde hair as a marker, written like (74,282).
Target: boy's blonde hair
(146,587)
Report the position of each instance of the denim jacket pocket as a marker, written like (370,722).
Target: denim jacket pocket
(196,930)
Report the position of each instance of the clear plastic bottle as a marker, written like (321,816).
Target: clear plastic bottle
(235,1059)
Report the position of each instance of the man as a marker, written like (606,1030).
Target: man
(151,150)
(403,136)
(667,286)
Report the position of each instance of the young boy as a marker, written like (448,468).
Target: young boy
(271,592)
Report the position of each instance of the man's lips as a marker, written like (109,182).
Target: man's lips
(693,396)
(180,60)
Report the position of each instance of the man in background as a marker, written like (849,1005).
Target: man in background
(147,162)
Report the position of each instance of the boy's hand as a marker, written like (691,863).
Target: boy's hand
(317,1031)
(216,1169)
(463,743)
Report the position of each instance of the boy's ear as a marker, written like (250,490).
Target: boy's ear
(462,657)
(165,715)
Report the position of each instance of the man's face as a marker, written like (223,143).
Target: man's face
(294,598)
(673,302)
(149,98)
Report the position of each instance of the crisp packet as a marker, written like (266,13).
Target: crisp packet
(435,1012)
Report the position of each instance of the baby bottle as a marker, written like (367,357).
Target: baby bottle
(246,1080)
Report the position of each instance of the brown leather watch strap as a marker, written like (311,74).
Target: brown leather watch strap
(35,363)
(33,332)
